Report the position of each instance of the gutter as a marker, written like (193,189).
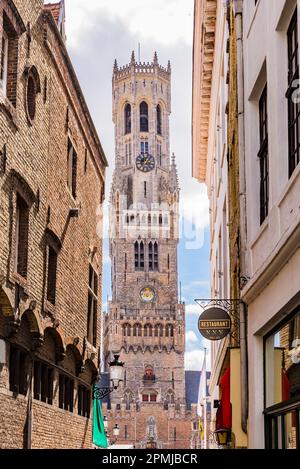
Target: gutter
(238,12)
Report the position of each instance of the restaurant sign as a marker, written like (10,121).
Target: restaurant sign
(214,323)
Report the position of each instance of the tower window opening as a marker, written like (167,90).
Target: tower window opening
(145,189)
(144,146)
(144,124)
(158,119)
(127,116)
(139,260)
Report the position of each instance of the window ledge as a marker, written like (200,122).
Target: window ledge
(8,109)
(49,308)
(23,282)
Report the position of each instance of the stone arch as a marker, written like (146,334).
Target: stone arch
(33,319)
(60,349)
(73,361)
(90,372)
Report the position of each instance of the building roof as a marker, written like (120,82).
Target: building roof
(205,15)
(55,9)
(192,381)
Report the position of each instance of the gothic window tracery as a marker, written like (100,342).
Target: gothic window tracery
(153,255)
(139,259)
(158,119)
(169,330)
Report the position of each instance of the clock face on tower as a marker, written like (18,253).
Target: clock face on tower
(145,162)
(147,294)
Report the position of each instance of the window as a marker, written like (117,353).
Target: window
(153,397)
(144,127)
(145,398)
(159,152)
(128,153)
(22,229)
(31,98)
(72,168)
(137,330)
(18,364)
(293,85)
(144,146)
(43,382)
(147,330)
(169,330)
(145,189)
(263,156)
(282,384)
(84,401)
(51,275)
(127,117)
(126,330)
(9,59)
(158,119)
(92,306)
(158,330)
(126,432)
(66,393)
(4,63)
(174,434)
(153,256)
(149,398)
(139,260)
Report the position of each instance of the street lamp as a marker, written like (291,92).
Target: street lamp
(223,436)
(116,377)
(116,430)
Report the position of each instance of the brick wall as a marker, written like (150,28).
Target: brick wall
(33,162)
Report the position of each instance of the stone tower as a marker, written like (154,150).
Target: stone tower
(146,323)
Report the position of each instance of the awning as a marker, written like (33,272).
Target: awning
(224,412)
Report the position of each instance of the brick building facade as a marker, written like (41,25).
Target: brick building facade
(146,322)
(52,170)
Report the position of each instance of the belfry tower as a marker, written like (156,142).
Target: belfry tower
(146,323)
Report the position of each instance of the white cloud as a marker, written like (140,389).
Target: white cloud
(193,360)
(193,309)
(165,22)
(190,337)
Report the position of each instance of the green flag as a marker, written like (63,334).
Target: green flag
(99,436)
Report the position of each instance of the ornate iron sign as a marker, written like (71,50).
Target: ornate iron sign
(214,323)
(220,318)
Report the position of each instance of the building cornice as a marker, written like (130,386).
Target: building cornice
(205,15)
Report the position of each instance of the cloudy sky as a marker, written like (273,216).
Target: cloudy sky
(98,31)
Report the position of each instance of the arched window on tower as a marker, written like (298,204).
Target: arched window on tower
(169,330)
(139,259)
(144,125)
(158,119)
(158,330)
(153,255)
(127,117)
(137,330)
(148,330)
(126,330)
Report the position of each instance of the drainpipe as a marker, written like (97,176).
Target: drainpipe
(238,11)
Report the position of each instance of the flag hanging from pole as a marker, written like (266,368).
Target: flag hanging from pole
(99,435)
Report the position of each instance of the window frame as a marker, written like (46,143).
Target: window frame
(293,108)
(22,236)
(4,63)
(92,314)
(72,166)
(263,155)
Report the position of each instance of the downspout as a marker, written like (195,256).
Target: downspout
(238,11)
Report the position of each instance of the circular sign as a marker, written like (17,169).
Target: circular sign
(147,294)
(214,323)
